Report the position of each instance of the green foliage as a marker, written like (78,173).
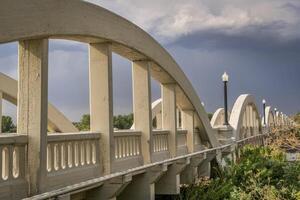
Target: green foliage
(123,121)
(261,173)
(84,124)
(210,115)
(120,122)
(8,125)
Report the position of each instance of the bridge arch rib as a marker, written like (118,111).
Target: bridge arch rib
(245,118)
(57,122)
(51,19)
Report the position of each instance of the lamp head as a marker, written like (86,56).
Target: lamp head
(264,101)
(225,77)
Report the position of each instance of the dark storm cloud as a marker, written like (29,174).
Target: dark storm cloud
(263,38)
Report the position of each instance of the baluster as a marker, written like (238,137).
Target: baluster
(1,163)
(129,146)
(87,152)
(63,155)
(116,148)
(70,155)
(94,159)
(82,154)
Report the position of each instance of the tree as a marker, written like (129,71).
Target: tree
(120,122)
(123,121)
(8,125)
(84,124)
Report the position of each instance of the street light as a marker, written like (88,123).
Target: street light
(225,79)
(264,109)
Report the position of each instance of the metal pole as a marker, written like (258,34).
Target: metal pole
(264,107)
(225,103)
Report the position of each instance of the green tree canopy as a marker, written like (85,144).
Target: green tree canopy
(8,125)
(120,122)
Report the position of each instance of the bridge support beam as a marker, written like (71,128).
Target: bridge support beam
(190,174)
(101,100)
(111,189)
(142,106)
(142,186)
(169,119)
(169,183)
(33,108)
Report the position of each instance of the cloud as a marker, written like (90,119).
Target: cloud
(169,20)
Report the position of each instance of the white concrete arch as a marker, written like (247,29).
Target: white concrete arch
(244,118)
(269,117)
(218,118)
(50,19)
(57,122)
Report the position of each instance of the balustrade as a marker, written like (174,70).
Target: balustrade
(68,154)
(12,165)
(127,150)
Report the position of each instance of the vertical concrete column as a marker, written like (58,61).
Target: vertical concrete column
(0,112)
(187,120)
(142,111)
(159,121)
(169,119)
(101,100)
(33,109)
(178,117)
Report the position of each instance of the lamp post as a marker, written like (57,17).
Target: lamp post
(225,79)
(264,109)
(275,117)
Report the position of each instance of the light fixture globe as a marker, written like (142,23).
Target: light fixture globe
(264,101)
(225,77)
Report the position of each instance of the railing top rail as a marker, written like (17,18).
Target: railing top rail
(182,131)
(60,137)
(97,181)
(160,132)
(13,138)
(128,132)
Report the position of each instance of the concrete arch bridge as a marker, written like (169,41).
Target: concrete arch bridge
(105,164)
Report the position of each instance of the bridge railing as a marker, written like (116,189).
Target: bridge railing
(12,164)
(127,150)
(73,157)
(160,145)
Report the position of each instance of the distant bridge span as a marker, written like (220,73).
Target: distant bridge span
(128,164)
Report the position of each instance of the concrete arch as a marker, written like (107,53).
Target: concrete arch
(50,19)
(218,118)
(269,117)
(57,122)
(245,117)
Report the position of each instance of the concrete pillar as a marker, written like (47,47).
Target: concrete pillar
(159,121)
(169,183)
(169,121)
(187,120)
(33,108)
(101,100)
(142,110)
(1,112)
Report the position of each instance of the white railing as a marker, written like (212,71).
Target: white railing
(160,145)
(12,165)
(160,141)
(74,156)
(182,142)
(127,148)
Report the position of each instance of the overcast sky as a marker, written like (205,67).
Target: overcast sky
(256,42)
